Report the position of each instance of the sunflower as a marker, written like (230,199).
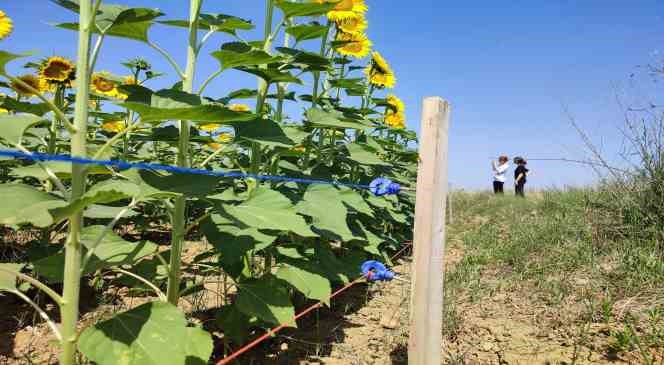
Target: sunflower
(345,9)
(239,107)
(3,111)
(395,120)
(225,137)
(130,80)
(102,83)
(6,25)
(209,127)
(355,44)
(57,70)
(222,139)
(32,80)
(395,104)
(379,72)
(300,149)
(353,25)
(114,126)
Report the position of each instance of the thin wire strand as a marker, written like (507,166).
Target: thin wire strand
(35,156)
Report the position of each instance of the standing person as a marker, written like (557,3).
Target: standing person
(499,174)
(520,176)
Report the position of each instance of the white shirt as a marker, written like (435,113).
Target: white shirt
(499,171)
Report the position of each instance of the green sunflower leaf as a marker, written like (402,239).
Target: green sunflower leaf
(111,251)
(291,9)
(265,132)
(216,22)
(12,127)
(307,31)
(154,333)
(116,20)
(320,118)
(266,298)
(306,279)
(8,276)
(6,57)
(364,155)
(23,204)
(239,54)
(271,75)
(168,104)
(322,204)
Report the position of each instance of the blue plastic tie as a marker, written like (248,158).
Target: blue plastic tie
(384,186)
(375,271)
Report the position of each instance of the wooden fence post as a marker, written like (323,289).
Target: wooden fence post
(426,310)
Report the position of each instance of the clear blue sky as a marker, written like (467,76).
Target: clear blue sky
(506,67)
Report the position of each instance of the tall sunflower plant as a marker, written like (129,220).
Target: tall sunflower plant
(262,248)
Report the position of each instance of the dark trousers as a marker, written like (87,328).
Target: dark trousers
(519,190)
(498,187)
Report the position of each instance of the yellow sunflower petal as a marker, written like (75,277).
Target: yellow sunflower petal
(210,127)
(396,104)
(395,120)
(379,73)
(114,126)
(353,25)
(57,69)
(358,45)
(345,9)
(6,25)
(239,107)
(225,138)
(31,80)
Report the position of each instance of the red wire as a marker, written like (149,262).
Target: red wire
(271,332)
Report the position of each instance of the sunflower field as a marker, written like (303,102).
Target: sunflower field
(269,247)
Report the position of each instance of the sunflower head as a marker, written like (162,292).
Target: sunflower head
(300,149)
(6,25)
(225,137)
(114,126)
(29,79)
(354,44)
(103,83)
(395,104)
(395,120)
(345,9)
(379,73)
(209,127)
(58,70)
(221,139)
(353,25)
(239,107)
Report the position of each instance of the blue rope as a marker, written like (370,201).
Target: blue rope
(36,156)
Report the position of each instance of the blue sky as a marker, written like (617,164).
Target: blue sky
(508,68)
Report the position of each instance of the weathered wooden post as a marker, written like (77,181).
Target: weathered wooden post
(426,310)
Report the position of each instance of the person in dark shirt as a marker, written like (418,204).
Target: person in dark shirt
(520,177)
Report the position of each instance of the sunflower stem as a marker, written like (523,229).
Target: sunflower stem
(281,87)
(183,160)
(41,312)
(323,48)
(95,52)
(168,58)
(263,85)
(73,252)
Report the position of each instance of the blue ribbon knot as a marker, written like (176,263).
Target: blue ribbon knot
(384,186)
(376,271)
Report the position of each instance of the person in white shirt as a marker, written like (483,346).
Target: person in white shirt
(499,171)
